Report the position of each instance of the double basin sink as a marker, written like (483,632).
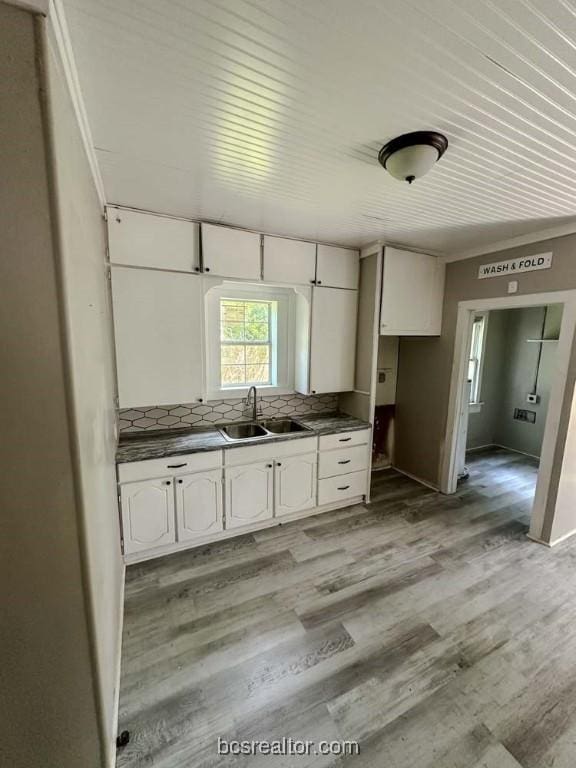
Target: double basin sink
(258,429)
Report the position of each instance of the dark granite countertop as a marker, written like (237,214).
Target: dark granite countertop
(175,442)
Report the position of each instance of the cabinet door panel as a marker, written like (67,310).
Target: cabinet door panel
(199,505)
(295,484)
(333,340)
(337,267)
(289,261)
(147,514)
(146,240)
(248,494)
(231,252)
(158,323)
(412,294)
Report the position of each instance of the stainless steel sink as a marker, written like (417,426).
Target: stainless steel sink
(252,430)
(243,431)
(283,426)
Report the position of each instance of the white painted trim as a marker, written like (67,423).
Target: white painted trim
(262,525)
(60,37)
(513,242)
(550,544)
(416,479)
(515,450)
(466,309)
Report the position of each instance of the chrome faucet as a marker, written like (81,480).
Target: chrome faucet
(252,392)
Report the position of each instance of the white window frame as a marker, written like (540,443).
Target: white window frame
(475,403)
(282,347)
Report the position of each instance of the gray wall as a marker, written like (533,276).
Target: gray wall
(508,375)
(53,451)
(425,364)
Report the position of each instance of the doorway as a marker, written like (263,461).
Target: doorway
(509,399)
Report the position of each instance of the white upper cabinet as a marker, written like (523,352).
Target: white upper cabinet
(146,240)
(289,261)
(412,294)
(337,267)
(230,252)
(332,350)
(158,321)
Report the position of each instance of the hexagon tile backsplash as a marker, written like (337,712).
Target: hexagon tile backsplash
(217,411)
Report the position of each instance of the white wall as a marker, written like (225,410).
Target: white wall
(48,696)
(61,571)
(88,324)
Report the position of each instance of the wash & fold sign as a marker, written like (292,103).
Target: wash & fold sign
(515,266)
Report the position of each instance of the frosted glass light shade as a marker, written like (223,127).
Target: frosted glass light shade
(412,162)
(411,155)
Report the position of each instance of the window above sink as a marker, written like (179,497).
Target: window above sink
(250,339)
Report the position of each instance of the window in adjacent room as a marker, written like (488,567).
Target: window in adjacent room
(250,336)
(476,359)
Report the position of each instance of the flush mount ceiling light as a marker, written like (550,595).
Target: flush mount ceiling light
(413,154)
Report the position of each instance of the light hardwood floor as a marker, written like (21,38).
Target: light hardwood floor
(427,628)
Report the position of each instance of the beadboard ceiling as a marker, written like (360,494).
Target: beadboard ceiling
(269,114)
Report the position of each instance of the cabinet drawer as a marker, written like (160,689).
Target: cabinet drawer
(246,454)
(171,465)
(344,439)
(333,489)
(343,461)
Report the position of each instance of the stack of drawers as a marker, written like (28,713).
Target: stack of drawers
(343,466)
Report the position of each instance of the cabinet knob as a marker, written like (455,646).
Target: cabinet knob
(196,269)
(206,269)
(319,282)
(269,466)
(167,482)
(278,463)
(313,281)
(313,391)
(180,481)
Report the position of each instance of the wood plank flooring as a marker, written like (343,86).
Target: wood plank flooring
(427,628)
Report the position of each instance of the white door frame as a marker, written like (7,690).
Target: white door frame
(466,309)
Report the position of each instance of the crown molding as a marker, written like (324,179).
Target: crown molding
(59,39)
(513,242)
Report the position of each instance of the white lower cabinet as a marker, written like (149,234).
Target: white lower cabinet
(199,505)
(295,484)
(249,496)
(148,514)
(207,495)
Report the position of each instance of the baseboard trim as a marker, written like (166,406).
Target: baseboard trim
(504,448)
(417,479)
(551,544)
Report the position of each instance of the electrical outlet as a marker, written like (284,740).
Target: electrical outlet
(533,398)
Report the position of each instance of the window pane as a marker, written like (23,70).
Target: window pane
(232,311)
(232,374)
(257,312)
(232,332)
(233,354)
(258,374)
(259,354)
(256,331)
